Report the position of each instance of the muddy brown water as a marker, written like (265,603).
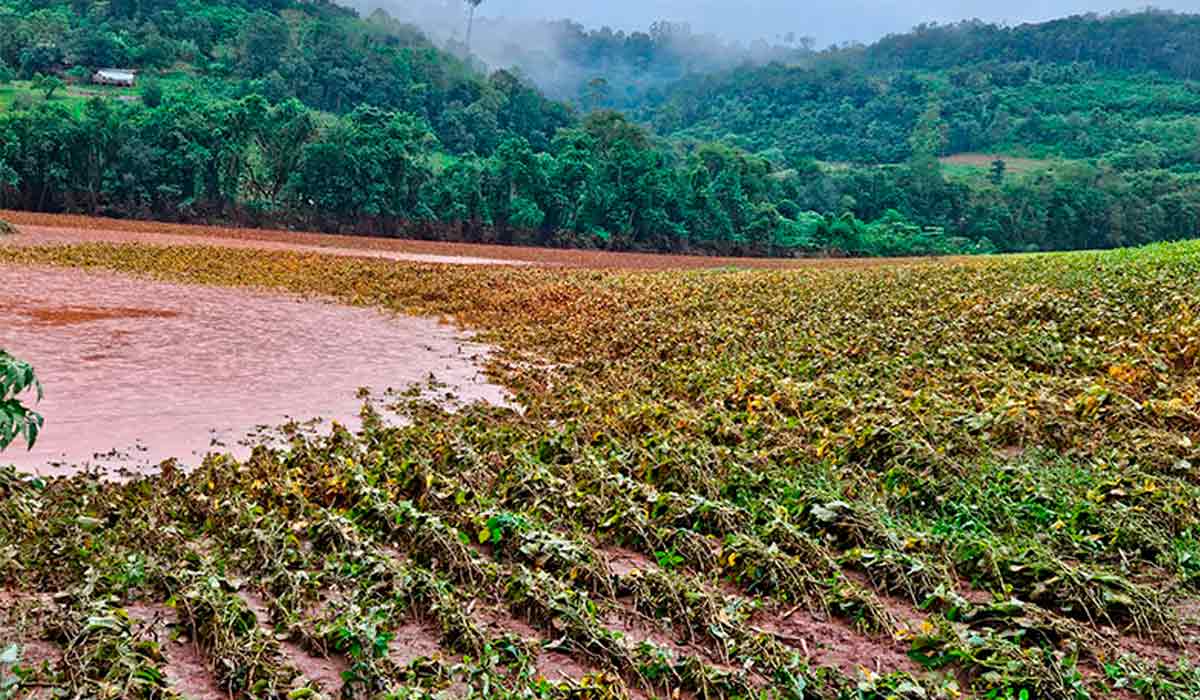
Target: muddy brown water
(137,371)
(42,235)
(60,229)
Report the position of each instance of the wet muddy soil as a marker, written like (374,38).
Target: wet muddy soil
(51,229)
(43,235)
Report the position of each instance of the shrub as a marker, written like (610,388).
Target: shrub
(152,93)
(16,420)
(22,102)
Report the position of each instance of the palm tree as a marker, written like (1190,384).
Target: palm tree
(473,4)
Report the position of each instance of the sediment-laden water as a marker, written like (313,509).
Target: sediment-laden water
(137,371)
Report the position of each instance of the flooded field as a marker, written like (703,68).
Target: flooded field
(49,235)
(137,371)
(59,229)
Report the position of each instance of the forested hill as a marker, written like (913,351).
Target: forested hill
(283,112)
(313,50)
(1080,87)
(1083,131)
(1167,42)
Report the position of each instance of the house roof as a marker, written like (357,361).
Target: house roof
(116,74)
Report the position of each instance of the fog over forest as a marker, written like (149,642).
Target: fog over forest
(564,47)
(561,55)
(827,21)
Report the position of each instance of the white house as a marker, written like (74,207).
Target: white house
(115,76)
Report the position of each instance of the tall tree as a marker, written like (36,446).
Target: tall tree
(48,84)
(263,41)
(472,5)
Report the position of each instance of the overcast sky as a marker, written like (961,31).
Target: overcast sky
(825,20)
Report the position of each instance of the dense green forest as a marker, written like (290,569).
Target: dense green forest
(281,112)
(862,104)
(1106,105)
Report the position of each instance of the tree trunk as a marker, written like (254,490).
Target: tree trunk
(470,28)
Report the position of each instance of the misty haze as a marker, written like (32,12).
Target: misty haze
(826,21)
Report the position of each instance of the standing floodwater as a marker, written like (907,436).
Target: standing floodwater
(136,371)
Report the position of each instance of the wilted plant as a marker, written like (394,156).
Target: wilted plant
(990,466)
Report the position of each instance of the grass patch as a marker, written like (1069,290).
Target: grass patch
(979,165)
(74,97)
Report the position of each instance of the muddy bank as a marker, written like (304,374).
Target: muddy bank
(137,371)
(46,235)
(50,229)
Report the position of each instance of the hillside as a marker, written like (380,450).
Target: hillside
(363,127)
(317,52)
(1045,89)
(305,115)
(829,111)
(1117,127)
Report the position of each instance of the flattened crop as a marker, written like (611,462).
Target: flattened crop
(718,484)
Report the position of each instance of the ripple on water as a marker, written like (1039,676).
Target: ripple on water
(137,371)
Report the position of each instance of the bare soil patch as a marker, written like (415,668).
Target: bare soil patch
(499,621)
(623,562)
(828,642)
(556,667)
(414,640)
(1012,164)
(186,669)
(1189,615)
(326,672)
(21,623)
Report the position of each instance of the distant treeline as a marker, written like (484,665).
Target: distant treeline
(1151,40)
(601,183)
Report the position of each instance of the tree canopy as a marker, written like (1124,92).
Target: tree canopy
(301,113)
